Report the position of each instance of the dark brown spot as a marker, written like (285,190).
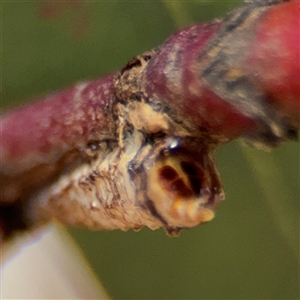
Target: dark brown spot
(147,57)
(167,173)
(194,176)
(93,145)
(92,177)
(135,62)
(137,97)
(189,168)
(180,188)
(13,218)
(196,185)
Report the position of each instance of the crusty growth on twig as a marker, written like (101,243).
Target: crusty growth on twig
(136,148)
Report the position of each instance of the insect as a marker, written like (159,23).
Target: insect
(136,148)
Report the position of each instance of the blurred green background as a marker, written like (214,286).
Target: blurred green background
(251,249)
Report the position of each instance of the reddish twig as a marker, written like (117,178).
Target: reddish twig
(135,148)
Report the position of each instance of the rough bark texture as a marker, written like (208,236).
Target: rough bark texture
(136,147)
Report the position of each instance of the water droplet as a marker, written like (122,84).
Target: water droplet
(94,205)
(173,143)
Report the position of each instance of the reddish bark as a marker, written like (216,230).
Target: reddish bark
(207,84)
(275,58)
(173,76)
(42,132)
(237,77)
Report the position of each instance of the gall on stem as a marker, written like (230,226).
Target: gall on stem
(136,148)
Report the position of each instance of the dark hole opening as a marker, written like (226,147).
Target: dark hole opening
(167,173)
(194,176)
(189,168)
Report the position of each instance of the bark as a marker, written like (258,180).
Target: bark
(136,148)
